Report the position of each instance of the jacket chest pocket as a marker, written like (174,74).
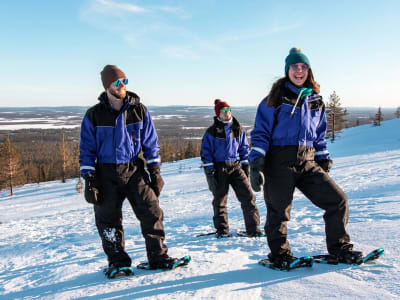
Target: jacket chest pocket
(135,131)
(287,124)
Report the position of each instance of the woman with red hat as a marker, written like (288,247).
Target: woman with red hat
(224,152)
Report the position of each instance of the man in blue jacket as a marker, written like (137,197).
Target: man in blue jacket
(113,133)
(224,152)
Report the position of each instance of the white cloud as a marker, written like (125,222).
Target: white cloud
(112,7)
(251,35)
(179,52)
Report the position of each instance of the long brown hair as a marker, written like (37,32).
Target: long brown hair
(273,95)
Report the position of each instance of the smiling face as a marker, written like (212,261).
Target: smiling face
(298,73)
(225,114)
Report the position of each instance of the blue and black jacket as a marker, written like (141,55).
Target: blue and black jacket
(117,137)
(291,121)
(224,142)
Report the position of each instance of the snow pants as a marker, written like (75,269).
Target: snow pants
(287,169)
(232,174)
(117,183)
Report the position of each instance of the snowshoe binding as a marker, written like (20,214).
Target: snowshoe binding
(165,263)
(113,271)
(287,262)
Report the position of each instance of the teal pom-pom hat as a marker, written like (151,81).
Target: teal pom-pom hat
(295,56)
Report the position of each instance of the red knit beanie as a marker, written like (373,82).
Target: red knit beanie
(219,104)
(109,74)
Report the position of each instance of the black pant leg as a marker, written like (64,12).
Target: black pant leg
(241,186)
(219,203)
(278,195)
(146,206)
(108,217)
(319,187)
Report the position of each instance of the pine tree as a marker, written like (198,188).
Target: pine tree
(378,117)
(10,165)
(63,158)
(397,113)
(190,150)
(335,116)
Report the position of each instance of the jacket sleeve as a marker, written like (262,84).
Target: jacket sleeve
(262,132)
(149,141)
(321,151)
(244,149)
(87,147)
(207,151)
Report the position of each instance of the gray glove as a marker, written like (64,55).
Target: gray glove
(256,174)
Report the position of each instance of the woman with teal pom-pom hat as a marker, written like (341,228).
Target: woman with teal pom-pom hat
(288,151)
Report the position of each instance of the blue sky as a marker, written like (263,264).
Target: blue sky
(191,52)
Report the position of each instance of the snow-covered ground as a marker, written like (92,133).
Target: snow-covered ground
(49,247)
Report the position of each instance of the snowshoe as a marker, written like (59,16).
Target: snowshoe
(351,257)
(114,271)
(287,262)
(166,263)
(251,234)
(221,235)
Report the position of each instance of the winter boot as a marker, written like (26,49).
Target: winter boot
(256,233)
(163,262)
(222,234)
(281,262)
(349,256)
(113,271)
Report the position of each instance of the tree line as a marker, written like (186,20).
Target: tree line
(33,156)
(30,157)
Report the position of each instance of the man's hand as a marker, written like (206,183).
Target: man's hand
(156,181)
(92,190)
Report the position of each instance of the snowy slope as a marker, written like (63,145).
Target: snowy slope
(49,247)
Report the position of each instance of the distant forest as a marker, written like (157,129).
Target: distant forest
(38,155)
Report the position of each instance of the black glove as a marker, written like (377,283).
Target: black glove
(246,169)
(211,179)
(92,190)
(325,164)
(156,181)
(256,174)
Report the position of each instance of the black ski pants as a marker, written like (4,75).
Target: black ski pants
(232,174)
(128,181)
(283,175)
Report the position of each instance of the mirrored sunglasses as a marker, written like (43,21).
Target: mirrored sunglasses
(303,67)
(224,110)
(118,82)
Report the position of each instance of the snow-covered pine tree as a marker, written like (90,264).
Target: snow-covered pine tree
(335,115)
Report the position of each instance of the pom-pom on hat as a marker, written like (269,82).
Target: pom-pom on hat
(109,74)
(219,104)
(295,56)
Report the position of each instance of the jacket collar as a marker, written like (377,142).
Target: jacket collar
(233,123)
(131,97)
